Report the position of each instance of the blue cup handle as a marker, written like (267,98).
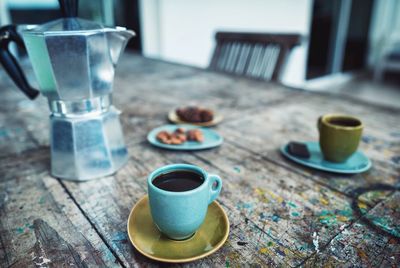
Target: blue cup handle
(215,185)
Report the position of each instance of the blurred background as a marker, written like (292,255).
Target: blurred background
(347,46)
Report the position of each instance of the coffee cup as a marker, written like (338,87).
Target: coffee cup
(179,196)
(339,136)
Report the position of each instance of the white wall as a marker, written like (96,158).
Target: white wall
(183,30)
(385,28)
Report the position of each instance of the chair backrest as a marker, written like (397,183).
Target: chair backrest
(256,55)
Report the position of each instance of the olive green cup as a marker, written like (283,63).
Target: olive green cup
(339,136)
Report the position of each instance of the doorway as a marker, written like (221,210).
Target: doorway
(339,36)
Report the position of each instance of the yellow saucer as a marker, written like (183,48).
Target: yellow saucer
(174,118)
(149,241)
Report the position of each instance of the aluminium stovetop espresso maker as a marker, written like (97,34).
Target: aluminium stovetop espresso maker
(74,62)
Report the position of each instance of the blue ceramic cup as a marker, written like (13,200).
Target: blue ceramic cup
(179,214)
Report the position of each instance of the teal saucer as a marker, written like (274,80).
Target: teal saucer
(211,138)
(357,163)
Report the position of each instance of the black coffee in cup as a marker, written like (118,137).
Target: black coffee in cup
(178,181)
(344,122)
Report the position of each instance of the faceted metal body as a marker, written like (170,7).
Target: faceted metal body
(74,62)
(87,147)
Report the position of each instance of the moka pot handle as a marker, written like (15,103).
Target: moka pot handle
(9,34)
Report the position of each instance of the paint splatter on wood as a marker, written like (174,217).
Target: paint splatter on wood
(275,207)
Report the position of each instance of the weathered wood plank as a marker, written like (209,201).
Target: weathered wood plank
(263,247)
(144,106)
(292,207)
(360,245)
(41,226)
(14,138)
(381,140)
(278,210)
(286,208)
(114,198)
(139,85)
(31,162)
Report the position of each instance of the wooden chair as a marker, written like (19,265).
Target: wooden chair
(389,59)
(255,55)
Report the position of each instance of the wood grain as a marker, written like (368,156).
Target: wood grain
(41,226)
(281,214)
(357,245)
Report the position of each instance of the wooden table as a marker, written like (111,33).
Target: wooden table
(281,214)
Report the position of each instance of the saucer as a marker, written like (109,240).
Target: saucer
(174,118)
(357,163)
(211,138)
(149,241)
